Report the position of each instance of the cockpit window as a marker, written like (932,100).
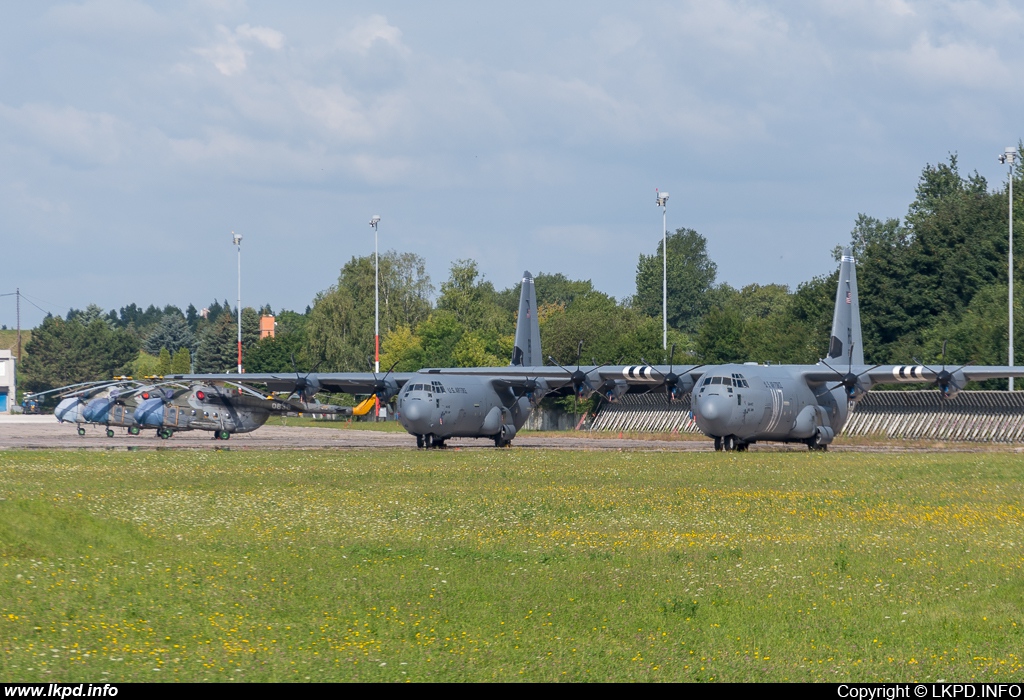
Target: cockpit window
(716,380)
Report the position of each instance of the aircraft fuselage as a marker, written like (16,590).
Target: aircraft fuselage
(437,406)
(751,403)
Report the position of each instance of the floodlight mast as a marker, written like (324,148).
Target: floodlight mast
(662,201)
(374,220)
(1007,157)
(236,238)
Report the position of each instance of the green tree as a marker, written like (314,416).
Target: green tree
(341,323)
(171,332)
(144,365)
(402,350)
(691,274)
(951,245)
(66,352)
(181,362)
(720,336)
(164,362)
(473,301)
(217,350)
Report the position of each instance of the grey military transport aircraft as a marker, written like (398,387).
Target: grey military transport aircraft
(736,405)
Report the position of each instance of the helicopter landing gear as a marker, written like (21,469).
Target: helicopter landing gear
(134,430)
(110,432)
(81,431)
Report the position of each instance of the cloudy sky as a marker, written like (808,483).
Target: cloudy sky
(135,137)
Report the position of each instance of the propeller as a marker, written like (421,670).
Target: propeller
(305,387)
(671,380)
(380,386)
(534,389)
(849,380)
(580,385)
(944,379)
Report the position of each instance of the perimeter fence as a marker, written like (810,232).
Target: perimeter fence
(973,416)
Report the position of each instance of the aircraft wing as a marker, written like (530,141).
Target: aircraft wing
(638,375)
(904,374)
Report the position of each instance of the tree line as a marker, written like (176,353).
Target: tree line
(937,275)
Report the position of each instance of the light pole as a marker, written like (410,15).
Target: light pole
(236,238)
(1007,157)
(662,201)
(374,220)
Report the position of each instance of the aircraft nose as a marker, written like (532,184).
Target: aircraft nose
(95,411)
(712,413)
(416,416)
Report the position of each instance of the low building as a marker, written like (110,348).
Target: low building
(8,390)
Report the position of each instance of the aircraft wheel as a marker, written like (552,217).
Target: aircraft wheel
(110,433)
(741,446)
(718,444)
(224,435)
(81,431)
(814,446)
(419,442)
(428,441)
(728,443)
(133,430)
(439,444)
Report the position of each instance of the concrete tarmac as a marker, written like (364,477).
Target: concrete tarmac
(20,432)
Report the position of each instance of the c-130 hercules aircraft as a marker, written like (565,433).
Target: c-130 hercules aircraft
(736,405)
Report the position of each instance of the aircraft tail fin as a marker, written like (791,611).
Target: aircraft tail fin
(526,352)
(846,317)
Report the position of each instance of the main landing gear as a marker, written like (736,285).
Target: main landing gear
(730,443)
(430,441)
(81,431)
(221,435)
(110,432)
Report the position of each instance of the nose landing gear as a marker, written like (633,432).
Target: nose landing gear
(730,443)
(430,441)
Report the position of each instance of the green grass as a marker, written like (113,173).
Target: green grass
(510,564)
(390,426)
(9,340)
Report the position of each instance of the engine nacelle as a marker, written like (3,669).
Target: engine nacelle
(613,389)
(948,390)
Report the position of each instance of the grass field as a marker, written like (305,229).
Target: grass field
(510,564)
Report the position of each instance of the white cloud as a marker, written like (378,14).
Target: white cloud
(369,31)
(107,17)
(961,64)
(271,38)
(86,138)
(230,56)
